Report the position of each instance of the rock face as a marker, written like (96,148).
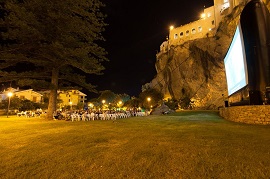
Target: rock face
(162,109)
(195,70)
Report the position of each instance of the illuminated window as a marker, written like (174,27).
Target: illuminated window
(181,34)
(187,32)
(193,31)
(199,29)
(175,36)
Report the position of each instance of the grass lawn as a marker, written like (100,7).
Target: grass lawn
(183,145)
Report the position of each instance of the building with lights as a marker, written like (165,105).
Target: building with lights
(206,26)
(28,94)
(71,97)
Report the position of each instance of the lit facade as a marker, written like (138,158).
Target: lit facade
(206,26)
(23,95)
(30,95)
(71,97)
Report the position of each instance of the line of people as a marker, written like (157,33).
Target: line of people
(96,115)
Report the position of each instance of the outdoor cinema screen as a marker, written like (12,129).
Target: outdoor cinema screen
(235,63)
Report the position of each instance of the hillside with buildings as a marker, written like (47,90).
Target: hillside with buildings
(190,64)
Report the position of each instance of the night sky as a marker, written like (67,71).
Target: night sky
(136,30)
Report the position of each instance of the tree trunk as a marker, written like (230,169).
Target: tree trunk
(53,93)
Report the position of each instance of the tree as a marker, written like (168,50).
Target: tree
(50,40)
(154,95)
(133,103)
(121,97)
(108,96)
(15,103)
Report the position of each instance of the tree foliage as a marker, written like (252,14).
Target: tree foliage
(155,96)
(51,40)
(22,104)
(133,103)
(108,96)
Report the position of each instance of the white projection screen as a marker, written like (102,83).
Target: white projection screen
(235,63)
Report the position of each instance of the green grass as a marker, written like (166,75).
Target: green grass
(188,144)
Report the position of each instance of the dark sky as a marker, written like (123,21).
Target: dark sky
(136,30)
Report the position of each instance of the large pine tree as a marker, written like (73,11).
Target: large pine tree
(57,37)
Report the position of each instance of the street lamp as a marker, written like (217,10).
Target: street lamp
(91,105)
(70,105)
(9,96)
(148,99)
(119,104)
(103,102)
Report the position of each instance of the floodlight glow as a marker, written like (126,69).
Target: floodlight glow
(203,15)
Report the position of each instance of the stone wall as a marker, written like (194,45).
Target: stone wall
(255,114)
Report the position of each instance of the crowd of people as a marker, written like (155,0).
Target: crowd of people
(36,113)
(88,115)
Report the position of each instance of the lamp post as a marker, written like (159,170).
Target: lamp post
(70,105)
(119,104)
(149,99)
(103,102)
(91,105)
(9,96)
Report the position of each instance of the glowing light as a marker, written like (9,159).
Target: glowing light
(171,27)
(9,96)
(103,101)
(148,99)
(203,15)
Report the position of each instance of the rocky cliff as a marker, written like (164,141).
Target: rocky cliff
(193,73)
